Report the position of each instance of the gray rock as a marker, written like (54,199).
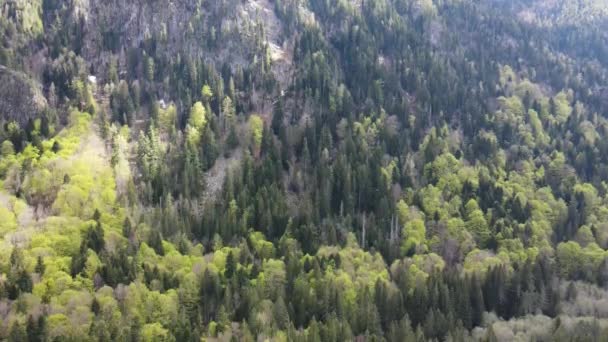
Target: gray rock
(21,97)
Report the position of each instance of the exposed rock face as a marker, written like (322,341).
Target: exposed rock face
(110,30)
(113,24)
(218,32)
(20,97)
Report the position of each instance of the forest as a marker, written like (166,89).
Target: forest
(303,170)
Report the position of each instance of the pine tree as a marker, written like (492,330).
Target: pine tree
(94,238)
(155,241)
(95,306)
(477,302)
(17,332)
(35,328)
(230,265)
(40,267)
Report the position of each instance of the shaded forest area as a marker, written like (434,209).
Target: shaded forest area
(287,170)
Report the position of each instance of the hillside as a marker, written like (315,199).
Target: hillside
(286,170)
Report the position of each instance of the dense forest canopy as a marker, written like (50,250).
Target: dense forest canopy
(291,170)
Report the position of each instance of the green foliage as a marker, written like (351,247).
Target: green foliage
(579,263)
(414,234)
(476,223)
(197,117)
(256,126)
(196,123)
(562,107)
(206,93)
(167,117)
(399,133)
(8,221)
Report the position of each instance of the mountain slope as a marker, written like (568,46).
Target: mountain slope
(303,170)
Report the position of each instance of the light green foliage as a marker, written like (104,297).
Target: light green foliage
(56,282)
(587,130)
(367,130)
(109,307)
(8,221)
(71,138)
(180,264)
(75,181)
(432,202)
(42,186)
(228,112)
(256,125)
(403,212)
(448,174)
(590,198)
(58,326)
(198,116)
(196,123)
(91,187)
(155,332)
(457,229)
(563,109)
(537,127)
(476,223)
(516,251)
(559,175)
(507,78)
(219,258)
(480,261)
(147,253)
(188,293)
(75,305)
(359,268)
(263,316)
(265,249)
(418,268)
(429,262)
(570,257)
(167,118)
(7,150)
(272,279)
(443,166)
(414,233)
(92,264)
(150,151)
(120,162)
(193,135)
(29,19)
(575,261)
(512,107)
(62,235)
(206,93)
(387,173)
(152,306)
(480,170)
(525,88)
(584,236)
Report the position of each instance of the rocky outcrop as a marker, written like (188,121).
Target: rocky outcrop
(21,98)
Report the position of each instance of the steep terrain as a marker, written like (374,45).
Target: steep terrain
(20,98)
(286,170)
